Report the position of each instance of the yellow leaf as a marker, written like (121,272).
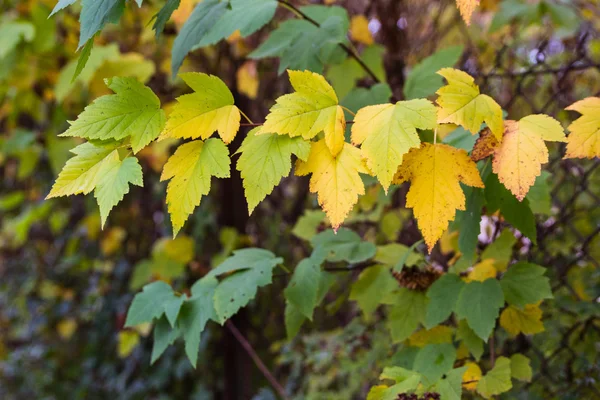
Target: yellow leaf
(183,12)
(527,321)
(388,131)
(435,172)
(471,376)
(518,159)
(126,342)
(247,79)
(180,249)
(312,108)
(111,242)
(359,30)
(66,328)
(584,136)
(482,271)
(462,104)
(466,8)
(210,108)
(436,335)
(190,169)
(336,180)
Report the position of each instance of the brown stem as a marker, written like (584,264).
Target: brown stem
(261,366)
(351,52)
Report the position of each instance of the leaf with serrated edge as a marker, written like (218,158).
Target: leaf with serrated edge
(190,170)
(497,380)
(462,104)
(312,108)
(527,321)
(584,137)
(210,108)
(466,8)
(265,160)
(435,172)
(113,185)
(336,180)
(388,131)
(133,111)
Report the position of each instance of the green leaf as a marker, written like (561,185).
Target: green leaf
(423,80)
(149,304)
(450,388)
(97,13)
(164,335)
(133,111)
(190,170)
(83,59)
(525,283)
(539,195)
(307,225)
(500,250)
(461,139)
(12,33)
(408,309)
(391,254)
(61,5)
(435,360)
(520,367)
(345,245)
(373,284)
(81,173)
(265,159)
(163,16)
(344,76)
(405,381)
(497,380)
(245,16)
(480,303)
(203,18)
(302,290)
(511,10)
(516,212)
(443,295)
(195,313)
(255,268)
(114,179)
(470,339)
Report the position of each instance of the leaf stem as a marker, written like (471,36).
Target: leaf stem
(351,52)
(347,109)
(245,116)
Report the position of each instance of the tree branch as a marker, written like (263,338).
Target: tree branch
(351,52)
(261,366)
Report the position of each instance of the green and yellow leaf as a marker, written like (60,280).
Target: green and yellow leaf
(210,108)
(462,104)
(527,320)
(497,380)
(311,109)
(388,131)
(190,170)
(435,172)
(584,136)
(335,179)
(133,111)
(265,160)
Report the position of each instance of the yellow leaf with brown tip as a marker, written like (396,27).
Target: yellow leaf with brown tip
(335,179)
(435,172)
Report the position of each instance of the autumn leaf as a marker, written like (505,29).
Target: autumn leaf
(388,131)
(210,108)
(312,108)
(584,137)
(527,320)
(336,180)
(518,159)
(435,172)
(462,104)
(466,8)
(190,170)
(247,79)
(359,30)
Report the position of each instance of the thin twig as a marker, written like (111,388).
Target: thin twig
(351,52)
(514,74)
(261,366)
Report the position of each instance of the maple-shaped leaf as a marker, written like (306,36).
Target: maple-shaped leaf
(527,320)
(114,179)
(265,160)
(497,380)
(388,131)
(518,159)
(462,104)
(466,8)
(190,169)
(311,109)
(210,108)
(81,173)
(133,111)
(435,172)
(584,137)
(335,179)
